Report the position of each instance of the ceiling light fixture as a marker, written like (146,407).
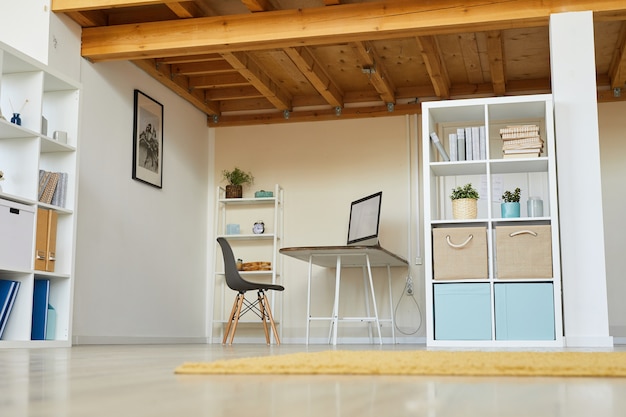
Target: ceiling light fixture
(391,107)
(617,92)
(286,114)
(338,111)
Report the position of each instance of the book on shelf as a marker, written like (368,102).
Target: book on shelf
(8,294)
(439,146)
(469,147)
(521,155)
(475,143)
(519,131)
(460,144)
(41,295)
(453,146)
(52,187)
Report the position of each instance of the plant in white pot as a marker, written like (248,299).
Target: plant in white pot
(510,203)
(236,179)
(464,202)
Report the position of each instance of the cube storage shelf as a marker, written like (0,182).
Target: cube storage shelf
(468,302)
(48,101)
(234,220)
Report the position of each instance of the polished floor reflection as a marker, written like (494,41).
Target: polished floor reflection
(98,381)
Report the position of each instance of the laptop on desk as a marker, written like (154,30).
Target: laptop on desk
(364,221)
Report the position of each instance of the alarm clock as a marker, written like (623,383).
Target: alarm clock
(258,228)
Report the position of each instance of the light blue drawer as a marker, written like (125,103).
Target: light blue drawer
(462,311)
(524,311)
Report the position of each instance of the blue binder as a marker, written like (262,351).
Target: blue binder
(41,293)
(8,293)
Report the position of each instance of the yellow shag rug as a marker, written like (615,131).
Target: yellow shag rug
(466,363)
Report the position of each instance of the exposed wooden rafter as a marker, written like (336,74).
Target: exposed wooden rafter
(434,65)
(306,62)
(496,62)
(375,71)
(242,63)
(617,70)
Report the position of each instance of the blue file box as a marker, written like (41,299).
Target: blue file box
(462,311)
(524,311)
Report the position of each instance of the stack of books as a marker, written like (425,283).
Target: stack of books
(521,141)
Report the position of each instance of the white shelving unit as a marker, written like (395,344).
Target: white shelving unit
(38,91)
(249,247)
(490,310)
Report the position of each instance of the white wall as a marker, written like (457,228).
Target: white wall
(25,26)
(613,155)
(141,251)
(323,166)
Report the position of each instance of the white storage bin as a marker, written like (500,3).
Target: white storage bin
(17,222)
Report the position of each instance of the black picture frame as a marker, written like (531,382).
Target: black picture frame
(148,140)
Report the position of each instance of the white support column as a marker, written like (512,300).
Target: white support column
(585,310)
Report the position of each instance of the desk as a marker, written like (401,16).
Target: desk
(366,257)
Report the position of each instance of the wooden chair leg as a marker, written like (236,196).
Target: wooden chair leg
(240,298)
(230,320)
(269,314)
(263,315)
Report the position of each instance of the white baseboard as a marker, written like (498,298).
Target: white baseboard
(131,340)
(589,341)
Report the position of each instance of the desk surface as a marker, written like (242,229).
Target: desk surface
(351,256)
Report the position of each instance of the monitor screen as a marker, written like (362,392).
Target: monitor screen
(364,219)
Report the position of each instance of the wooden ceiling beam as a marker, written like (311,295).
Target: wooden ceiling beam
(434,65)
(242,62)
(496,61)
(185,9)
(233,93)
(316,26)
(376,72)
(617,68)
(217,80)
(178,84)
(198,68)
(306,62)
(89,18)
(316,115)
(258,5)
(82,5)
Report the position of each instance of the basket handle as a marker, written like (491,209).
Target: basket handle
(459,245)
(523,232)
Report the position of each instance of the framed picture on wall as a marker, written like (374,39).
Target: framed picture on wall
(148,140)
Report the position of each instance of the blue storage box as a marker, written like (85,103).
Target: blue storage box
(462,311)
(263,193)
(524,311)
(232,229)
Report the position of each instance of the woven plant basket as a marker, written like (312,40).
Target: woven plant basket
(234,191)
(464,208)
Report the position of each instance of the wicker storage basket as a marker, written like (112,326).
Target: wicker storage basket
(460,253)
(234,191)
(464,208)
(524,251)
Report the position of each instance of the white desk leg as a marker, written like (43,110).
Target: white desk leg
(367,305)
(393,323)
(335,321)
(369,272)
(308,300)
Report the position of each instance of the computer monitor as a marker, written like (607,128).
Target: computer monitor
(364,220)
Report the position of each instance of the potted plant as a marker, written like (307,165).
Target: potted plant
(464,202)
(236,179)
(510,203)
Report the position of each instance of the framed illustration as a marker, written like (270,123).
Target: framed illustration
(148,140)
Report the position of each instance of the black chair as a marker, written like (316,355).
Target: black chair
(241,306)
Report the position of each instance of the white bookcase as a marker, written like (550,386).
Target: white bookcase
(249,247)
(490,310)
(39,92)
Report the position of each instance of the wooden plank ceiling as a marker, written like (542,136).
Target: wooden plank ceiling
(246,62)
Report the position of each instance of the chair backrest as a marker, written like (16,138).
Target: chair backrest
(233,279)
